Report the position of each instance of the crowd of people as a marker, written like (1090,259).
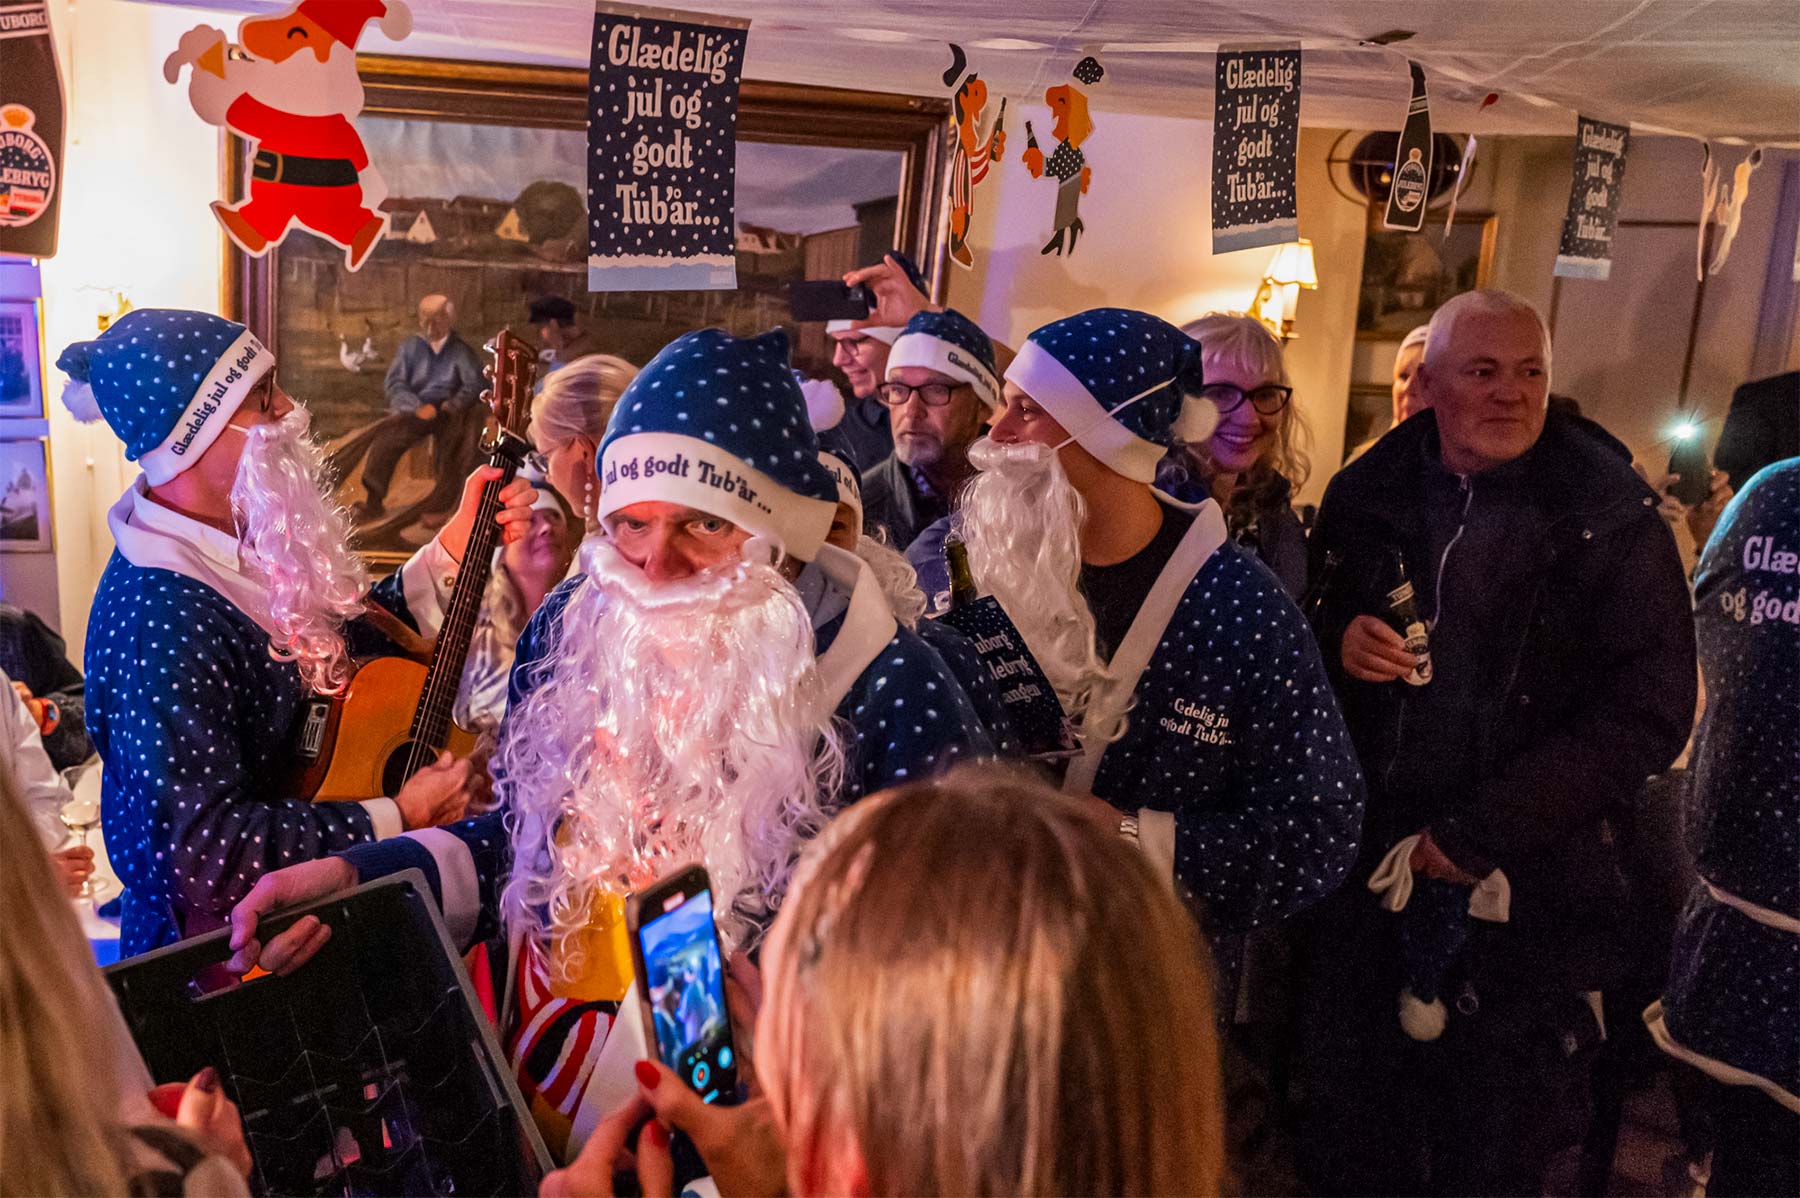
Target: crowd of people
(1334,892)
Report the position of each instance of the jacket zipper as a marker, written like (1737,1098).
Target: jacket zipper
(1467,486)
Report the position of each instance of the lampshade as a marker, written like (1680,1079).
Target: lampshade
(1293,265)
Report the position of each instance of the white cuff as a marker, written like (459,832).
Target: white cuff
(384,814)
(1156,837)
(459,890)
(426,580)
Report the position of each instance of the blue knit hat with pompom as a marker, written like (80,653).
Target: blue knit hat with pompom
(167,382)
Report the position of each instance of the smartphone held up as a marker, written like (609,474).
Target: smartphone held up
(681,982)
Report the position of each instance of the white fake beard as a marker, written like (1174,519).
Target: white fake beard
(298,540)
(675,722)
(1020,518)
(898,581)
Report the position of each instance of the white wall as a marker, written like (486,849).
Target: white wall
(1148,245)
(139,171)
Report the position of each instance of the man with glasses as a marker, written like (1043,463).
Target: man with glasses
(941,387)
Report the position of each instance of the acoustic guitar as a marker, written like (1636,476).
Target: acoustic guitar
(395,716)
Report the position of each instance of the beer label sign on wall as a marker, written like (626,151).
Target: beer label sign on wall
(31,130)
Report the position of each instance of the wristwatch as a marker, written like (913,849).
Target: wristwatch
(1128,827)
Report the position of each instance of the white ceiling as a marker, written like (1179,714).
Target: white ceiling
(1717,68)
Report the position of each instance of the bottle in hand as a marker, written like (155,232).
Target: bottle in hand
(1403,616)
(962,581)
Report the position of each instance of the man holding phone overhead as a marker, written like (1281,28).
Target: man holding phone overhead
(711,686)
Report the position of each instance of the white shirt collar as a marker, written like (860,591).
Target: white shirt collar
(152,536)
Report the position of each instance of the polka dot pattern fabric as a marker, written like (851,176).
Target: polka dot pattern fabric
(736,393)
(1117,353)
(956,332)
(1236,731)
(147,367)
(194,725)
(1734,986)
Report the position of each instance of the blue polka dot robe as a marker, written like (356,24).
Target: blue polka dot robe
(1731,1006)
(1235,733)
(194,723)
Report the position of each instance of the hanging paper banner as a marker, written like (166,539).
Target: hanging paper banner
(31,130)
(662,150)
(1731,209)
(1412,163)
(1071,125)
(290,89)
(1585,251)
(1462,179)
(975,149)
(1256,133)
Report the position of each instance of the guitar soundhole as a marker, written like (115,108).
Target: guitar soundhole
(394,773)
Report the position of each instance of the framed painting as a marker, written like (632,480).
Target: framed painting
(484,165)
(1407,275)
(21,361)
(25,497)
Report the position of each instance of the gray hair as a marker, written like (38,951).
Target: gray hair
(1490,301)
(578,400)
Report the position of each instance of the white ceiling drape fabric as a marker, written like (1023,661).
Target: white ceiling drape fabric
(1722,69)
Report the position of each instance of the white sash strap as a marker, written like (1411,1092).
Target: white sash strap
(1762,915)
(1197,546)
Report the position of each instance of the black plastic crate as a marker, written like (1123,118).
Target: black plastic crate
(371,1070)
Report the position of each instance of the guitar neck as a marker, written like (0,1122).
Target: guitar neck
(432,719)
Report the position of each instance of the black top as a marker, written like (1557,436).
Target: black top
(1115,593)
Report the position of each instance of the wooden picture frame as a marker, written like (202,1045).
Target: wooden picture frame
(1406,276)
(913,129)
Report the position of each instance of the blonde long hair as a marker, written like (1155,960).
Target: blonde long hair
(978,990)
(62,1043)
(1245,342)
(578,400)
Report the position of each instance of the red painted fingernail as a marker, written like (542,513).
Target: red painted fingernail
(647,1075)
(659,1135)
(208,1081)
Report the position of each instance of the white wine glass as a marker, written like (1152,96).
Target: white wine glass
(79,814)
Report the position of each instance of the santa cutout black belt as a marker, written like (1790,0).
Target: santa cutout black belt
(303,172)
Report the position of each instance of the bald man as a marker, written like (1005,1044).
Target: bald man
(434,374)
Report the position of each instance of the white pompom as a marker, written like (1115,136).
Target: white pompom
(1196,420)
(78,397)
(396,21)
(824,403)
(1423,1021)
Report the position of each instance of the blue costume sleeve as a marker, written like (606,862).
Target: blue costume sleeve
(1287,831)
(908,719)
(175,769)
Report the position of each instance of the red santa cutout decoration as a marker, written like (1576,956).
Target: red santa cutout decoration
(292,93)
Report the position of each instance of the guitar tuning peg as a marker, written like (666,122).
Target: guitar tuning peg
(487,397)
(487,372)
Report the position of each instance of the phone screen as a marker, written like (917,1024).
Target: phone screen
(685,984)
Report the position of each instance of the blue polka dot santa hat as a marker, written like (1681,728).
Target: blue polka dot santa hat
(951,344)
(717,423)
(166,381)
(1124,385)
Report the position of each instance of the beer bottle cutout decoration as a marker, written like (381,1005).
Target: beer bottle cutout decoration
(1403,616)
(1412,164)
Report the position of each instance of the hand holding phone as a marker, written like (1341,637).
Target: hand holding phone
(681,982)
(829,299)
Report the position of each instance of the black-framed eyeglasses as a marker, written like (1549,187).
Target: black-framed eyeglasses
(1268,399)
(898,395)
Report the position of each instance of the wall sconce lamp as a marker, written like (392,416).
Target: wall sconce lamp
(1289,271)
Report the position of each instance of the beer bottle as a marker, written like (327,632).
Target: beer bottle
(1030,137)
(1403,616)
(962,581)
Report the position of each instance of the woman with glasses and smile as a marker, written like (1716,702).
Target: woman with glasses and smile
(1253,462)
